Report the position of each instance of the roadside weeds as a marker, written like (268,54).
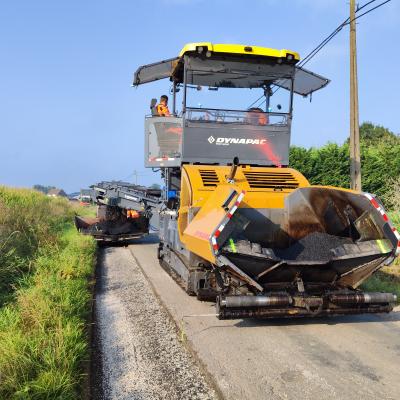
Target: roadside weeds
(46,298)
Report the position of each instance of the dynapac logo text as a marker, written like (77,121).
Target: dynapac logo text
(223,141)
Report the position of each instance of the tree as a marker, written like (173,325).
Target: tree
(372,134)
(328,165)
(380,163)
(43,189)
(391,198)
(301,159)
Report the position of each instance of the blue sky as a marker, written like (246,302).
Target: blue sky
(69,118)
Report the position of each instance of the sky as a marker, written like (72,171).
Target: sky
(69,116)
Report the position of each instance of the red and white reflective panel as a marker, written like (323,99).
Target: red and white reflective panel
(214,242)
(385,218)
(226,219)
(397,234)
(161,159)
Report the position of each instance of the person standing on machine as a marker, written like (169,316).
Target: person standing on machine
(162,107)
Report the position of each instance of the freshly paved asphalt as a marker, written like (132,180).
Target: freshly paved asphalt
(137,352)
(352,357)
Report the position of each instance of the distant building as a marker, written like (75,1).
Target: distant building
(56,193)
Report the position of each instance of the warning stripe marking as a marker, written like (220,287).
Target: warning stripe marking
(381,210)
(227,217)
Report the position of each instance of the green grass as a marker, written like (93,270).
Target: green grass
(28,221)
(383,282)
(395,218)
(388,278)
(84,210)
(45,266)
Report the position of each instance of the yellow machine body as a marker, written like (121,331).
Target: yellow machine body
(205,198)
(240,49)
(255,236)
(277,207)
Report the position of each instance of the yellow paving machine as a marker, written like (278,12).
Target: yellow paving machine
(237,225)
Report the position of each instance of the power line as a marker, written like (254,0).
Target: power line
(365,5)
(371,9)
(325,41)
(317,49)
(254,102)
(347,21)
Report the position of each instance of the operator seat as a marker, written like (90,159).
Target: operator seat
(153,108)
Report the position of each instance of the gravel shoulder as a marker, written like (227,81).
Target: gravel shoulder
(140,355)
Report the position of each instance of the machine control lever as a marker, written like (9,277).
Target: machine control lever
(232,173)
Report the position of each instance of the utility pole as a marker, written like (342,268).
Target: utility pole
(355,164)
(135,174)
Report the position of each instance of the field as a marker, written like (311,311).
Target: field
(45,271)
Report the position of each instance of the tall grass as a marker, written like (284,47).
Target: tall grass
(383,282)
(85,210)
(28,221)
(388,278)
(395,218)
(44,271)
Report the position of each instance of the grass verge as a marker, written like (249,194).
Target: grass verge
(46,266)
(388,278)
(394,269)
(84,210)
(383,281)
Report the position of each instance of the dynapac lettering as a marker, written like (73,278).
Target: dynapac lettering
(224,141)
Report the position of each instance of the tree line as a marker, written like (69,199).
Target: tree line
(380,163)
(42,188)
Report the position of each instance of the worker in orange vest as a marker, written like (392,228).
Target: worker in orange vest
(132,214)
(162,107)
(256,116)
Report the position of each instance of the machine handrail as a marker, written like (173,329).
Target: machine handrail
(241,111)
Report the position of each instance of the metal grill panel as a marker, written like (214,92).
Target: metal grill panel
(271,180)
(209,177)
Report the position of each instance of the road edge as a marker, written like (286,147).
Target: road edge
(187,344)
(96,385)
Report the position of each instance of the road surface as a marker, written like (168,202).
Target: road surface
(352,357)
(138,354)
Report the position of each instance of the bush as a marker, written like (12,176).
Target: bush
(380,163)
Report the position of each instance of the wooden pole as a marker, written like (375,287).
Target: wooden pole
(355,165)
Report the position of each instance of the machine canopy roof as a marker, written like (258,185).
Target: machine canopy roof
(154,72)
(236,70)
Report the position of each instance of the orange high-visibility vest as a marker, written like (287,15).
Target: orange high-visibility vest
(263,119)
(163,110)
(132,214)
